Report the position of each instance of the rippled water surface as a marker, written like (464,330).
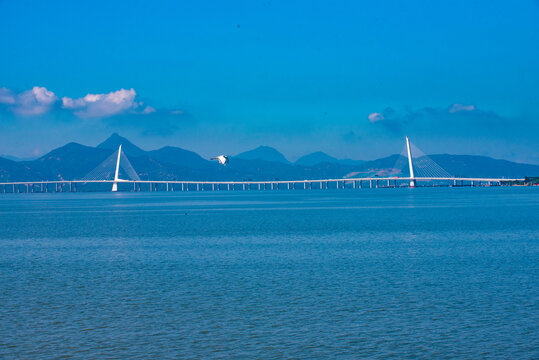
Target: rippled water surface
(402,273)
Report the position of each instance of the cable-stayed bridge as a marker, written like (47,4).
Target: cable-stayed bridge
(117,172)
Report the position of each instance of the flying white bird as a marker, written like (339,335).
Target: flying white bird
(223,159)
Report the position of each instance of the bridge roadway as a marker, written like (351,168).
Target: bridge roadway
(164,185)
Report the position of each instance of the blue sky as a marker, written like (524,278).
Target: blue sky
(350,78)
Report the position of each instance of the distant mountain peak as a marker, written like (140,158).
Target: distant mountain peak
(266,153)
(73,161)
(16,158)
(115,140)
(315,158)
(321,157)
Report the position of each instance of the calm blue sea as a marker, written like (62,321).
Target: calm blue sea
(386,273)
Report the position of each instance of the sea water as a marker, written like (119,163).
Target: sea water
(401,273)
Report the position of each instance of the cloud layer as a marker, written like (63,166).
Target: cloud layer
(458,120)
(102,105)
(389,117)
(459,107)
(375,116)
(39,101)
(36,101)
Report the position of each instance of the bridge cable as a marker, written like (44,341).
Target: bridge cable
(424,166)
(107,168)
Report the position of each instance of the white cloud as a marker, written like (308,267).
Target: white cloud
(39,100)
(6,96)
(103,105)
(375,117)
(459,107)
(148,110)
(36,101)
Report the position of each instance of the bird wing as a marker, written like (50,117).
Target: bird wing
(223,160)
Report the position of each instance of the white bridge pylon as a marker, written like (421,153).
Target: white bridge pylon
(409,151)
(109,170)
(420,165)
(115,183)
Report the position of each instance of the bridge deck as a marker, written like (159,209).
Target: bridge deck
(254,182)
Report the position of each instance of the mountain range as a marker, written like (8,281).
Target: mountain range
(74,161)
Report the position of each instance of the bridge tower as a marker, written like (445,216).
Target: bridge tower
(109,173)
(412,177)
(115,183)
